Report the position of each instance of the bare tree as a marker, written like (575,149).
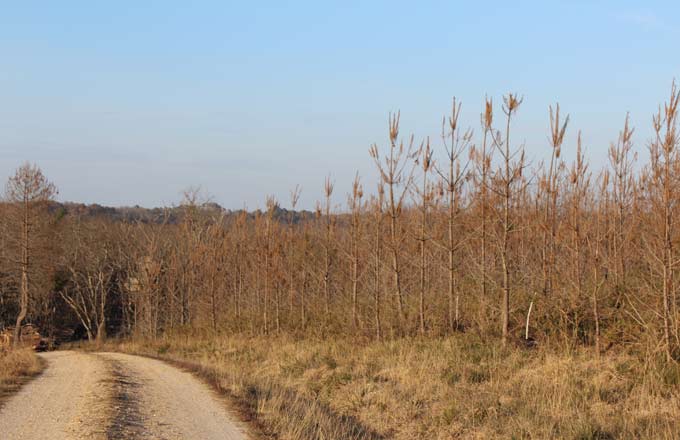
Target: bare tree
(548,187)
(507,177)
(455,143)
(621,159)
(355,207)
(597,249)
(483,160)
(27,192)
(328,247)
(425,193)
(550,183)
(378,217)
(93,269)
(294,198)
(396,172)
(579,183)
(240,261)
(268,257)
(664,196)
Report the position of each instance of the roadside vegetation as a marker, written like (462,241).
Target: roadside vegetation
(16,368)
(455,387)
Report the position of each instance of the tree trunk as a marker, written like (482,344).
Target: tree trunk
(23,290)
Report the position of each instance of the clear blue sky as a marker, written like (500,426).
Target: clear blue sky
(129,102)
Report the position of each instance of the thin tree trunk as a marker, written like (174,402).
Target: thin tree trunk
(505,304)
(23,289)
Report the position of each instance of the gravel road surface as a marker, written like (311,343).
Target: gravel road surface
(115,396)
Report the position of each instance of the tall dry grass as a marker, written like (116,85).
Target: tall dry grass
(456,387)
(16,367)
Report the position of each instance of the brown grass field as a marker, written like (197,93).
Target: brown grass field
(455,387)
(16,368)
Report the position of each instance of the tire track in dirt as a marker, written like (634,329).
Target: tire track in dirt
(171,404)
(126,421)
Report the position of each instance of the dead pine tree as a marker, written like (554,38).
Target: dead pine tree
(549,187)
(27,192)
(328,247)
(483,158)
(425,193)
(597,248)
(378,217)
(507,177)
(259,251)
(279,277)
(664,196)
(304,271)
(621,160)
(396,173)
(240,261)
(355,232)
(294,198)
(455,143)
(268,257)
(550,182)
(579,187)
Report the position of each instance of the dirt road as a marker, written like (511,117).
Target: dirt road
(115,396)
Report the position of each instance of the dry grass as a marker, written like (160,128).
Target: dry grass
(458,387)
(16,368)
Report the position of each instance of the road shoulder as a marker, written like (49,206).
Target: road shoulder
(17,368)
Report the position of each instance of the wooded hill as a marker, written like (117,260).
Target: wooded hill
(170,215)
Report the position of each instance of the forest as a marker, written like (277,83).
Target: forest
(469,236)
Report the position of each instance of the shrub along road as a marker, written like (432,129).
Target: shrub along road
(114,396)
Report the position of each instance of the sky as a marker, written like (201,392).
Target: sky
(131,102)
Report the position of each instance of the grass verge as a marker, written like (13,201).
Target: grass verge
(457,387)
(16,368)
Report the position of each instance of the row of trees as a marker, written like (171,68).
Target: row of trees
(470,236)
